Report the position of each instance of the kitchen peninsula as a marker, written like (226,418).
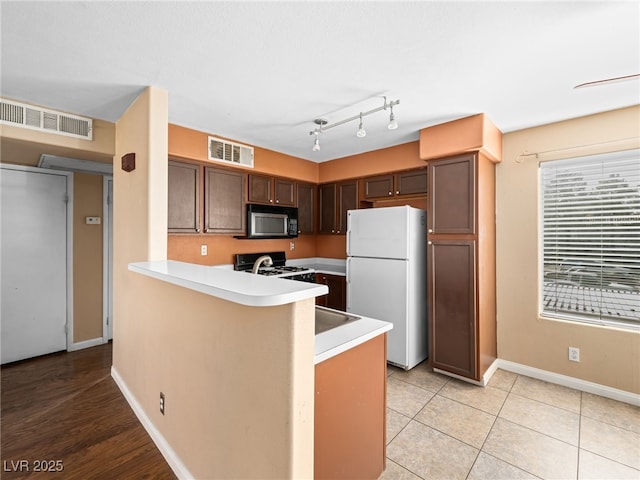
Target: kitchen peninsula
(254,354)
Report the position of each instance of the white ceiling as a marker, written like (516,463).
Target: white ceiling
(261,72)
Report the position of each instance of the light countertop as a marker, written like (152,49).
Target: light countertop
(340,339)
(237,287)
(331,266)
(263,291)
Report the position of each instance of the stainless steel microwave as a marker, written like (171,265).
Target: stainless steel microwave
(271,221)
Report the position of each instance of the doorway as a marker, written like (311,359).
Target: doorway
(35,265)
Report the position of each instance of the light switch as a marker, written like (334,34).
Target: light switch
(92,220)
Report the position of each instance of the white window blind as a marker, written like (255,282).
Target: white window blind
(591,238)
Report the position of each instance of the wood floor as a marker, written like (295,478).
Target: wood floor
(65,411)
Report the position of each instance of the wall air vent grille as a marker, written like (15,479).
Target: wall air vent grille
(51,121)
(229,152)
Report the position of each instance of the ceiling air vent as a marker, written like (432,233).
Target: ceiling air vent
(29,116)
(229,152)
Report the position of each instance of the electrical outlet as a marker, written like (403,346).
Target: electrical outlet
(203,249)
(574,354)
(292,246)
(162,403)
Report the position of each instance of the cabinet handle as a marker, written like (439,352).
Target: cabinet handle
(197,230)
(397,192)
(333,231)
(430,230)
(270,201)
(429,242)
(390,193)
(277,201)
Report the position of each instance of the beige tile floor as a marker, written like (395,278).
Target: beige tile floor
(516,427)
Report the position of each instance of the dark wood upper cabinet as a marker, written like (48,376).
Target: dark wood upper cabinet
(453,195)
(260,188)
(271,190)
(377,187)
(328,209)
(285,192)
(224,202)
(306,200)
(413,182)
(347,200)
(335,200)
(183,198)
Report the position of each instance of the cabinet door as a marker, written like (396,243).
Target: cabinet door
(452,300)
(452,195)
(224,206)
(347,200)
(376,187)
(183,198)
(285,192)
(260,188)
(337,296)
(327,221)
(413,182)
(306,208)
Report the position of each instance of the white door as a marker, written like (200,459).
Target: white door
(33,263)
(377,288)
(378,232)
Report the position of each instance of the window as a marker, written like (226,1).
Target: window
(591,239)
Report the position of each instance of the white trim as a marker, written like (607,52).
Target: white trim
(167,452)
(69,257)
(571,382)
(107,225)
(85,344)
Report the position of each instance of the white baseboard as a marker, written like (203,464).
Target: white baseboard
(571,382)
(85,344)
(167,452)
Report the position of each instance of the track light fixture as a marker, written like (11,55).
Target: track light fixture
(392,121)
(361,133)
(323,124)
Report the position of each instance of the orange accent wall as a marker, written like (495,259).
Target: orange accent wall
(222,248)
(463,135)
(192,145)
(399,157)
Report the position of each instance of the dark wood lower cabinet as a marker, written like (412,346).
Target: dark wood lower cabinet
(350,413)
(453,306)
(337,296)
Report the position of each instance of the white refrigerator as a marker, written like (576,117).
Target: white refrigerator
(387,275)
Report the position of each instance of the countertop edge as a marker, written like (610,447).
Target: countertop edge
(228,284)
(367,330)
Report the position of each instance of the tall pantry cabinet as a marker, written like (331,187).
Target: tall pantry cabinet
(461,250)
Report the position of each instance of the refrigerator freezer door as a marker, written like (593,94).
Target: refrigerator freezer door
(379,232)
(377,288)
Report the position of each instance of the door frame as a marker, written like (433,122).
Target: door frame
(107,259)
(69,233)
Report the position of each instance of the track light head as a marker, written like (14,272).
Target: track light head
(392,121)
(361,133)
(316,144)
